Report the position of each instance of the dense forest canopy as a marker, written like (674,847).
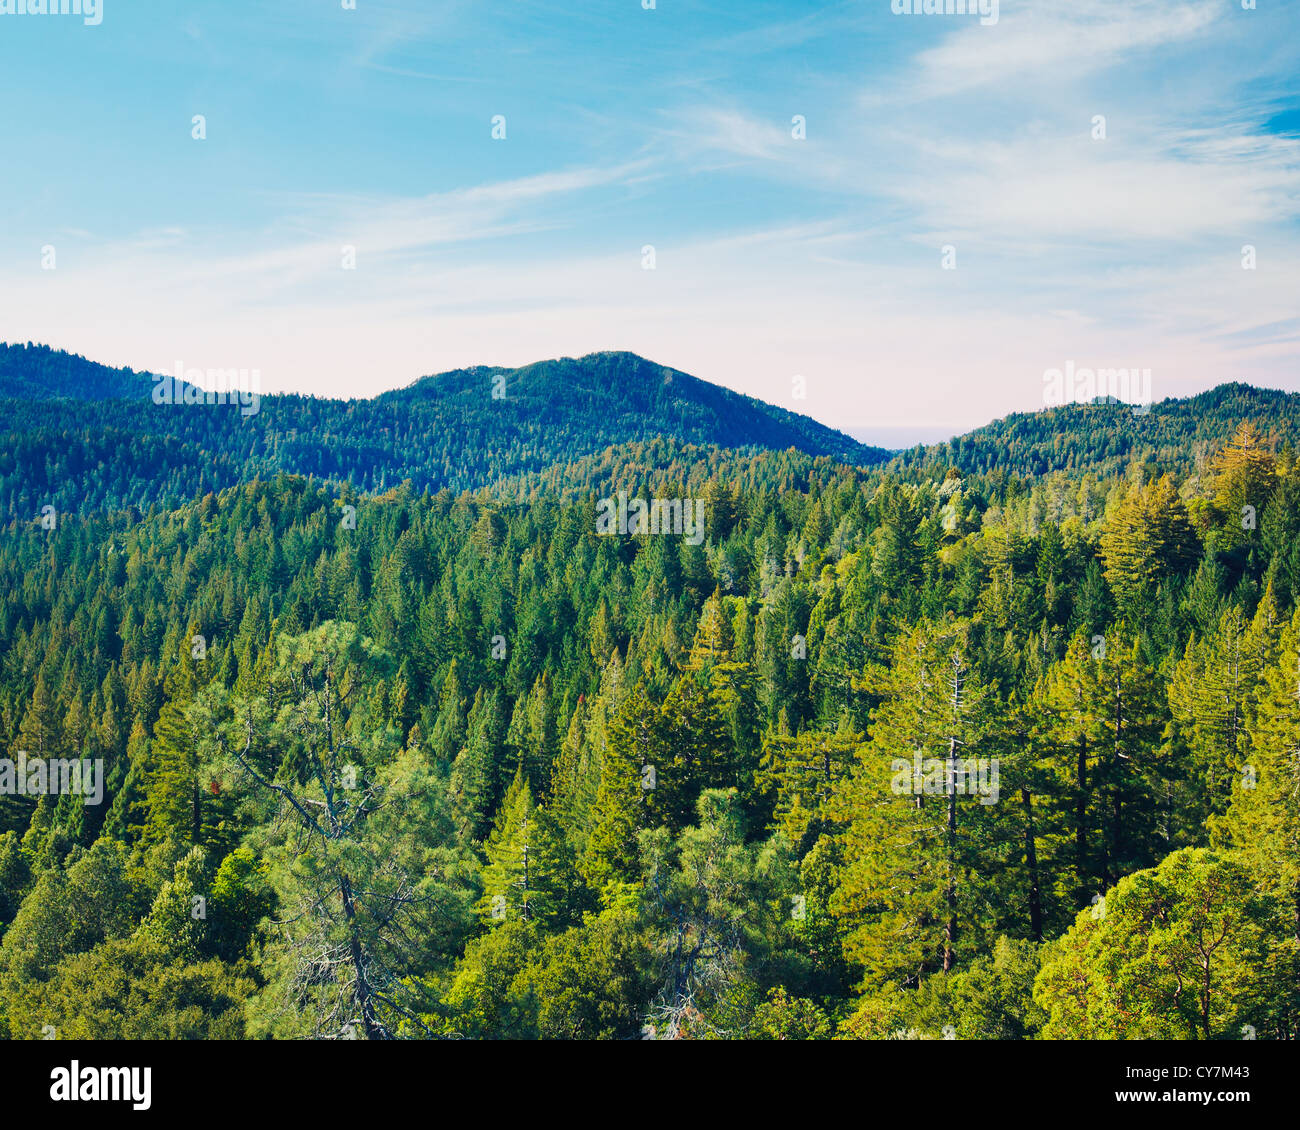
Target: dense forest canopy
(998,740)
(1105,437)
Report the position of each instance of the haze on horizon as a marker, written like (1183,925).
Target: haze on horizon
(775,255)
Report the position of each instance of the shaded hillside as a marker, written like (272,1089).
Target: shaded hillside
(1105,438)
(81,436)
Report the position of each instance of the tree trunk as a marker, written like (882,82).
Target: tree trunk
(364,1002)
(1081,818)
(1031,861)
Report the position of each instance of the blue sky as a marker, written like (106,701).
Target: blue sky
(775,256)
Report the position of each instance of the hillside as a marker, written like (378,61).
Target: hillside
(37,372)
(81,436)
(1105,438)
(500,679)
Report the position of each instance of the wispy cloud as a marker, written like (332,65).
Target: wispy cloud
(711,132)
(1073,38)
(775,256)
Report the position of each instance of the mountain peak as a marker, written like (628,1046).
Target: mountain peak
(462,430)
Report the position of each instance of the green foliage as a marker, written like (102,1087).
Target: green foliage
(1176,952)
(680,767)
(87,436)
(711,903)
(132,989)
(530,875)
(990,999)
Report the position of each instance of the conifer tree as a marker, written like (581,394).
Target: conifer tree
(475,782)
(1146,537)
(1243,475)
(621,810)
(529,875)
(1262,823)
(802,772)
(911,890)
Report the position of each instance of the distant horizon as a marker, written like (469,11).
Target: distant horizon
(892,438)
(901,437)
(915,229)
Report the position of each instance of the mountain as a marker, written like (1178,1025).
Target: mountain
(83,436)
(496,680)
(37,372)
(629,398)
(1104,438)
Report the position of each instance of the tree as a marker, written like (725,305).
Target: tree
(180,806)
(1212,695)
(782,1017)
(901,551)
(991,999)
(1146,537)
(132,989)
(589,982)
(802,772)
(913,813)
(713,636)
(1101,718)
(1262,822)
(489,997)
(529,875)
(620,810)
(1242,475)
(710,901)
(1172,953)
(476,773)
(353,834)
(69,912)
(691,752)
(575,781)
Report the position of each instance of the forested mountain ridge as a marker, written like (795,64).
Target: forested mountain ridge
(1104,438)
(639,400)
(37,372)
(82,437)
(448,764)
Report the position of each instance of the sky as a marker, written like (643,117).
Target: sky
(895,223)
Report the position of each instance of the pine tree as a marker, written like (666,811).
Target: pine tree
(529,876)
(478,769)
(1212,694)
(802,772)
(692,752)
(576,779)
(181,807)
(1146,537)
(1243,475)
(911,889)
(1262,823)
(620,812)
(448,734)
(713,637)
(40,734)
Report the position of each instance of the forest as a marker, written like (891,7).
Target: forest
(995,740)
(84,436)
